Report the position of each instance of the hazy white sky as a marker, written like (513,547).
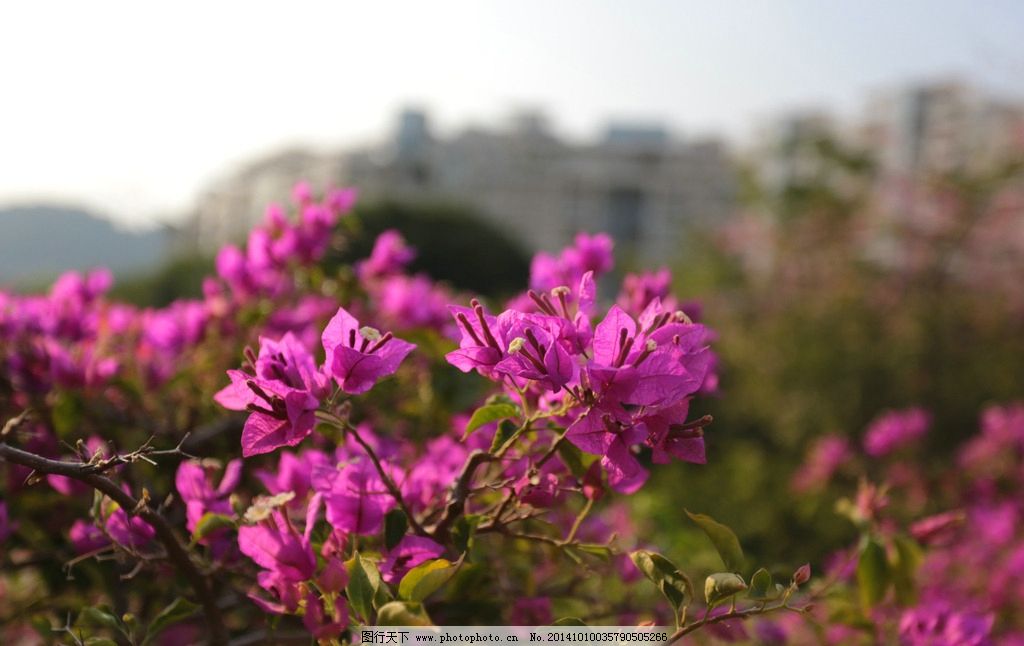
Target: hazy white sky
(132,107)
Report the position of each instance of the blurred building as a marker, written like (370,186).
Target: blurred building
(636,182)
(785,150)
(941,128)
(232,206)
(907,137)
(905,134)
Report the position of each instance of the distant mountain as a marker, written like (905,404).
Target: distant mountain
(38,242)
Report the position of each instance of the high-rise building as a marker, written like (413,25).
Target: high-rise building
(942,127)
(637,183)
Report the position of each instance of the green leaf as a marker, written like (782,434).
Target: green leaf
(42,625)
(904,570)
(670,581)
(723,539)
(761,586)
(99,641)
(572,457)
(468,581)
(210,523)
(507,433)
(722,585)
(426,578)
(98,617)
(395,524)
(382,596)
(872,574)
(363,582)
(464,530)
(569,621)
(572,554)
(601,551)
(489,413)
(403,613)
(176,611)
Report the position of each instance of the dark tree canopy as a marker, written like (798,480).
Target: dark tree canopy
(452,243)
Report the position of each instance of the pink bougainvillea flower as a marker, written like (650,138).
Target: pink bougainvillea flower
(638,290)
(355,496)
(544,492)
(293,472)
(280,367)
(390,256)
(200,496)
(410,552)
(670,436)
(937,529)
(895,430)
(288,422)
(320,624)
(433,473)
(357,357)
(278,548)
(538,351)
(483,343)
(636,386)
(588,253)
(86,537)
(130,532)
(611,433)
(283,395)
(412,301)
(937,622)
(826,456)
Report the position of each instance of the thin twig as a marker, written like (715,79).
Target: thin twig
(732,614)
(579,521)
(460,492)
(176,552)
(392,488)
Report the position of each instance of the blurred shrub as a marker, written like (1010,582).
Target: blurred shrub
(180,277)
(453,244)
(837,295)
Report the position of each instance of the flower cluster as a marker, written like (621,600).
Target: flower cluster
(280,244)
(895,430)
(77,358)
(941,557)
(285,387)
(339,494)
(624,382)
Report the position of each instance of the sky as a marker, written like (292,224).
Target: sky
(132,108)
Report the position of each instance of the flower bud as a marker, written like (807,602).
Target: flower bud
(802,574)
(593,488)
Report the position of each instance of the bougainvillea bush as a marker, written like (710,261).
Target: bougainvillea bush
(940,557)
(299,453)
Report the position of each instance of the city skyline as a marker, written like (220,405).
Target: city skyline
(162,108)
